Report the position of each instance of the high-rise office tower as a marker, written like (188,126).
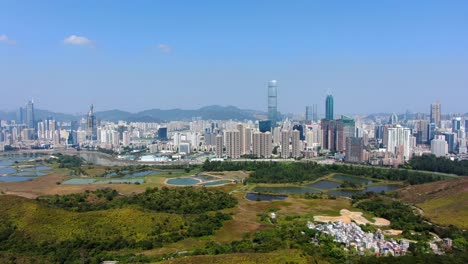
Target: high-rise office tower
(431,131)
(264,125)
(345,127)
(450,139)
(233,144)
(456,124)
(219,146)
(309,114)
(329,107)
(162,133)
(30,115)
(20,116)
(285,144)
(466,127)
(422,132)
(314,113)
(272,102)
(435,113)
(296,144)
(354,149)
(301,131)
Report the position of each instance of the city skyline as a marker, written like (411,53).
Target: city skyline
(372,57)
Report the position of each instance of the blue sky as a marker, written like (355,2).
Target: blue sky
(374,56)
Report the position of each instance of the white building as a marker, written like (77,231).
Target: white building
(439,146)
(398,137)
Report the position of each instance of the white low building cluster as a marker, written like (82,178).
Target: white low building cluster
(352,236)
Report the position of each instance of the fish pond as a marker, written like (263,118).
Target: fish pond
(198,180)
(215,183)
(352,179)
(264,197)
(15,178)
(375,188)
(183,181)
(325,185)
(297,190)
(17,173)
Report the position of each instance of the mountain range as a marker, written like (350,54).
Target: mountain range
(214,112)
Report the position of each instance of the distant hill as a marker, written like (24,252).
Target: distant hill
(39,115)
(214,112)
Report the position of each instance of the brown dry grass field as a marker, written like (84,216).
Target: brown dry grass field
(47,185)
(444,202)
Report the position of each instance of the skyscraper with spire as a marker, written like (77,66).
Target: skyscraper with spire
(91,130)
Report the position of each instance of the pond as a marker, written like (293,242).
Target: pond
(38,168)
(183,181)
(15,178)
(205,178)
(385,188)
(79,181)
(113,174)
(8,161)
(264,197)
(29,173)
(141,174)
(325,185)
(129,181)
(352,179)
(376,189)
(215,183)
(7,170)
(299,190)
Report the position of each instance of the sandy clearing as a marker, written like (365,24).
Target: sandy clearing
(392,232)
(349,216)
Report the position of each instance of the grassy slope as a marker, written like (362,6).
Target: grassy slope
(286,256)
(41,223)
(444,202)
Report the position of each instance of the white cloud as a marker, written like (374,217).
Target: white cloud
(77,40)
(7,40)
(165,48)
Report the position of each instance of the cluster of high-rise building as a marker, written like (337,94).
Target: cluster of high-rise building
(380,139)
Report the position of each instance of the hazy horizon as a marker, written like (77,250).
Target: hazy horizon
(373,57)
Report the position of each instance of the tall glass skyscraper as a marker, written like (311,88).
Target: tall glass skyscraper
(329,107)
(30,115)
(309,114)
(272,102)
